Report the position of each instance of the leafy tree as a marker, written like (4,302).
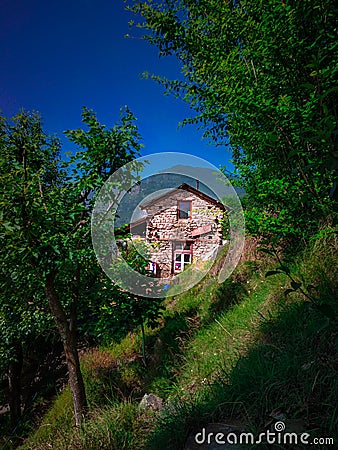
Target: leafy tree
(22,312)
(46,204)
(262,78)
(125,311)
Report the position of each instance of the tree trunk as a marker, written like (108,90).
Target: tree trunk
(14,381)
(68,337)
(75,379)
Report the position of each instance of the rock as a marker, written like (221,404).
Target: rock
(169,408)
(151,401)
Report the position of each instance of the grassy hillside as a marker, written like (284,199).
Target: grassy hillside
(240,353)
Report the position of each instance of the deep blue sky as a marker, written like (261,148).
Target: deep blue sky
(57,56)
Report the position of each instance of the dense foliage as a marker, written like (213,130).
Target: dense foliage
(48,264)
(262,78)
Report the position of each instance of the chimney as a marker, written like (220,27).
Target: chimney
(197,185)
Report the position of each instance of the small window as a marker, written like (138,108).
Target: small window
(181,261)
(182,255)
(184,210)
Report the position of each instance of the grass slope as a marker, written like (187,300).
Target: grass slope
(240,352)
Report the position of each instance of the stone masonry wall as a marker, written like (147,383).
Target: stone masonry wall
(164,228)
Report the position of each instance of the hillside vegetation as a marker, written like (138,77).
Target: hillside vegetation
(260,80)
(240,353)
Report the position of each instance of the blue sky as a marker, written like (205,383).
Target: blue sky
(57,56)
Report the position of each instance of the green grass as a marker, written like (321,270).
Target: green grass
(233,352)
(263,354)
(114,426)
(56,424)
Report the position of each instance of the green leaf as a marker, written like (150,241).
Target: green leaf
(295,285)
(288,291)
(272,272)
(9,227)
(309,86)
(283,269)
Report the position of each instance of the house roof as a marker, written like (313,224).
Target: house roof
(139,221)
(188,188)
(184,186)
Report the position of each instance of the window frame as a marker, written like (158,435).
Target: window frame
(179,209)
(182,252)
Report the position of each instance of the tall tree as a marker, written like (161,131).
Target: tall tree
(262,78)
(46,206)
(23,314)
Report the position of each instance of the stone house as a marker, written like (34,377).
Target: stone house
(182,226)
